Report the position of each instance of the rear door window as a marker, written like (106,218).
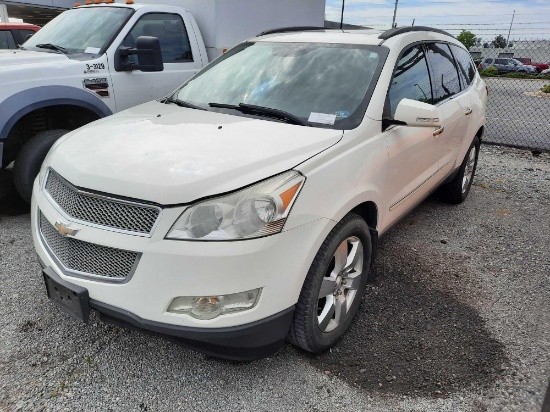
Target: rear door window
(411,79)
(25,33)
(6,40)
(466,69)
(444,74)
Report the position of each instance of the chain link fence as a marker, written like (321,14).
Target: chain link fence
(518,76)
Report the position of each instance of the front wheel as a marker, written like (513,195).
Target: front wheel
(29,160)
(334,285)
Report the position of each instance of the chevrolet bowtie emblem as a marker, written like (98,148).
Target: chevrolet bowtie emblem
(65,229)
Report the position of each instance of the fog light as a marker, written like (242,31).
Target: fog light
(210,307)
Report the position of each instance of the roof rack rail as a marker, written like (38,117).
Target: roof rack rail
(290,29)
(400,30)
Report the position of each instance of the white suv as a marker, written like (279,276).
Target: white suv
(246,207)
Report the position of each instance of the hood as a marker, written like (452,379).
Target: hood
(10,58)
(170,155)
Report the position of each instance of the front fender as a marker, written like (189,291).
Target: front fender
(15,107)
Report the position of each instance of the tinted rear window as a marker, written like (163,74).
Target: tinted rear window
(466,69)
(445,76)
(6,40)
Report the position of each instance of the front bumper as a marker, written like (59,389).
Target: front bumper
(242,343)
(169,268)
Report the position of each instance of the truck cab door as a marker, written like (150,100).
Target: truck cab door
(180,53)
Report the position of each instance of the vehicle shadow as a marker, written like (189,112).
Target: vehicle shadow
(417,331)
(11,203)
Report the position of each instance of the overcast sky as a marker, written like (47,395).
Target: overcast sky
(486,18)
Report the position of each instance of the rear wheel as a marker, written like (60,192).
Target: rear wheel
(457,190)
(29,159)
(334,285)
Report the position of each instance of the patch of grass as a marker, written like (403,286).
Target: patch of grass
(489,71)
(546,89)
(493,72)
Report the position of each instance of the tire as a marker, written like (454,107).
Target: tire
(316,325)
(29,159)
(457,190)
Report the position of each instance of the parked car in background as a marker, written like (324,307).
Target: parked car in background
(527,61)
(15,34)
(246,206)
(505,65)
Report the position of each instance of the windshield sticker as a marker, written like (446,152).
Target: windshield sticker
(341,114)
(92,50)
(324,118)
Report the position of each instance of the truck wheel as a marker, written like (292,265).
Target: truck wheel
(30,158)
(332,291)
(457,190)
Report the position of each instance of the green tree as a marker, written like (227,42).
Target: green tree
(467,38)
(499,42)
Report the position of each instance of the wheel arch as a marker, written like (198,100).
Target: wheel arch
(368,210)
(71,108)
(480,132)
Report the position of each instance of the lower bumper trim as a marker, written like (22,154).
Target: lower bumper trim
(247,342)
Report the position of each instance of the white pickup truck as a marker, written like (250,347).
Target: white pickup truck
(98,59)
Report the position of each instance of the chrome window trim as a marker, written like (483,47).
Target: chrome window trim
(103,197)
(78,274)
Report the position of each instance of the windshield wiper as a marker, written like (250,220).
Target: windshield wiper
(20,47)
(261,110)
(53,47)
(183,103)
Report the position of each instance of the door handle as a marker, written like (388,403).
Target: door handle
(437,132)
(468,112)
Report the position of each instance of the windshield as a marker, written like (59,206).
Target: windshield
(85,30)
(328,85)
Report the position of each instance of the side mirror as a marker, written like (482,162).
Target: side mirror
(416,114)
(148,52)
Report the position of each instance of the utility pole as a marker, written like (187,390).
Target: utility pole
(394,13)
(512,22)
(342,17)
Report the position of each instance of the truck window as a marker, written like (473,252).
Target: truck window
(170,30)
(80,30)
(6,40)
(411,79)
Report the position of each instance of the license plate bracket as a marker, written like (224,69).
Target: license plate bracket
(69,298)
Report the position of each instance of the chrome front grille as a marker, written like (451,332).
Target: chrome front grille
(110,213)
(85,258)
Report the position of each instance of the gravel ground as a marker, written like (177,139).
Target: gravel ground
(457,319)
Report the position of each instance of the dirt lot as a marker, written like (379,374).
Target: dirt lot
(457,319)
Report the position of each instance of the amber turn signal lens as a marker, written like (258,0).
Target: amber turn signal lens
(288,195)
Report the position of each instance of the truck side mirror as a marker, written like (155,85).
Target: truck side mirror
(148,52)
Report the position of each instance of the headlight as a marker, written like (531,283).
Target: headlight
(256,211)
